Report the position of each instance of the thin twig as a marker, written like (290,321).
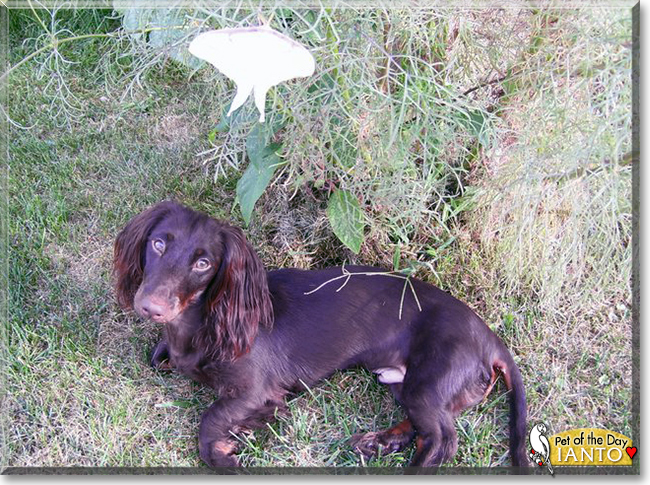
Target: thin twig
(401,301)
(415,295)
(344,283)
(347,275)
(486,84)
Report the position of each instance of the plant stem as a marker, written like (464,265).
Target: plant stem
(55,43)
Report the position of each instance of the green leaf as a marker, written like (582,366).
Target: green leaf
(166,28)
(477,123)
(263,162)
(236,120)
(346,217)
(397,254)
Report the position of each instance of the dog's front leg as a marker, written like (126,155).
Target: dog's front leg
(217,444)
(160,359)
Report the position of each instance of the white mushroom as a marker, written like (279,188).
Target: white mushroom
(255,58)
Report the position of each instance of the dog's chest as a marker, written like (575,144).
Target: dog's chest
(191,364)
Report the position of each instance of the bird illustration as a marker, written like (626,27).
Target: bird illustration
(540,448)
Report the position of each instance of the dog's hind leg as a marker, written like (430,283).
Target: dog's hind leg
(433,399)
(437,441)
(383,442)
(391,440)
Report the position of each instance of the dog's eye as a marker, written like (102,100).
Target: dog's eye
(158,245)
(202,264)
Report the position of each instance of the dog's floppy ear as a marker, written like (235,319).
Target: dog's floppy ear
(238,300)
(128,251)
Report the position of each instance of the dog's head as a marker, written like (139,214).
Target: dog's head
(170,258)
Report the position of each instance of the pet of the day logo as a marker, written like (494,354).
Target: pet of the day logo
(580,447)
(540,450)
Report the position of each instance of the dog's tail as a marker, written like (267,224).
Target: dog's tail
(515,384)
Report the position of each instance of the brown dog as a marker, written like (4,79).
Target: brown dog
(255,336)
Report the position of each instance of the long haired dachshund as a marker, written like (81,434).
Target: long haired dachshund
(255,336)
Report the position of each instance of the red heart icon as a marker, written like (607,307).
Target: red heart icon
(631,451)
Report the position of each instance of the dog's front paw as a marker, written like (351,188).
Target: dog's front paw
(160,359)
(218,454)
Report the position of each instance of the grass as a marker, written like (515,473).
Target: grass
(515,198)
